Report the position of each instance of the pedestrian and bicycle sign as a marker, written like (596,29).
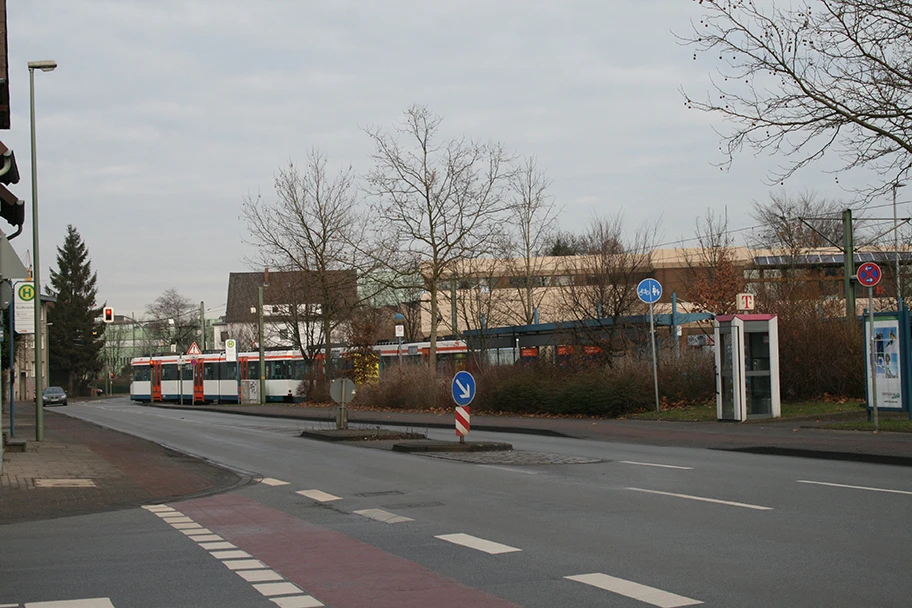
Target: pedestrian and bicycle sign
(869,274)
(649,291)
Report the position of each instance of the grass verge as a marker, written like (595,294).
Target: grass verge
(825,408)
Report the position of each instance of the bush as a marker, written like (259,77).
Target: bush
(547,390)
(819,356)
(406,388)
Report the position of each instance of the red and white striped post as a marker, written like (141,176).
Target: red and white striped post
(463,419)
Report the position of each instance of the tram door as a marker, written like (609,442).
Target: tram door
(156,378)
(199,394)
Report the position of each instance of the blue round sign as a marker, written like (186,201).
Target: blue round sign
(649,290)
(463,388)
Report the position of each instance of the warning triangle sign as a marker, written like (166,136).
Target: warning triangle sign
(194,350)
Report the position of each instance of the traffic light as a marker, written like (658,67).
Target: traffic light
(108,314)
(12,209)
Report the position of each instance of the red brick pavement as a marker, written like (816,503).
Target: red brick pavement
(119,471)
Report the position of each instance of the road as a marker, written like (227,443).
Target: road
(557,522)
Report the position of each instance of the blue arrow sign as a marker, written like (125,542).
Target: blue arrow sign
(463,388)
(649,290)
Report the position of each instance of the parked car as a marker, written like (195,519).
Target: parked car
(54,395)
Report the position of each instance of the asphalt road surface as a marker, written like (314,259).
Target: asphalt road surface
(556,522)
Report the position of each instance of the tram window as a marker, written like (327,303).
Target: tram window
(210,371)
(253,370)
(169,371)
(299,368)
(276,370)
(188,371)
(227,370)
(141,373)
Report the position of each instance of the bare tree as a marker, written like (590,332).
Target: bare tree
(436,200)
(815,76)
(310,228)
(562,244)
(796,223)
(715,277)
(533,217)
(791,226)
(174,319)
(605,279)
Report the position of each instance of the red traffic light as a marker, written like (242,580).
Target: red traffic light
(108,314)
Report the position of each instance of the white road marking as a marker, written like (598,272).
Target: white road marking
(840,485)
(702,499)
(491,466)
(178,520)
(205,538)
(297,601)
(194,532)
(384,516)
(259,576)
(188,526)
(97,602)
(269,481)
(283,588)
(244,564)
(643,593)
(171,513)
(217,546)
(318,495)
(473,542)
(652,464)
(157,508)
(233,554)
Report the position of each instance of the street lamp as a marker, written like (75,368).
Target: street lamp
(896,245)
(44,66)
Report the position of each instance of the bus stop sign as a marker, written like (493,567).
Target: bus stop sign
(869,274)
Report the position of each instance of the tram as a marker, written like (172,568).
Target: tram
(211,378)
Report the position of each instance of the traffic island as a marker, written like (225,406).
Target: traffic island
(433,445)
(359,434)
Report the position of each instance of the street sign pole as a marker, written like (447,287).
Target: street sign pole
(869,275)
(649,291)
(873,353)
(655,364)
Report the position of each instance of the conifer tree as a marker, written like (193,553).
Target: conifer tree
(76,338)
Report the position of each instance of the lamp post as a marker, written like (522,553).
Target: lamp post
(44,66)
(899,299)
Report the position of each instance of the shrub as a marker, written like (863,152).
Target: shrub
(406,388)
(547,390)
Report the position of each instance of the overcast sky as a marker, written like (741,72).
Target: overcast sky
(162,116)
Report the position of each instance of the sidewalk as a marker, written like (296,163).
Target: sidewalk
(84,468)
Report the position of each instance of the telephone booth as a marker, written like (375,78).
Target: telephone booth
(747,367)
